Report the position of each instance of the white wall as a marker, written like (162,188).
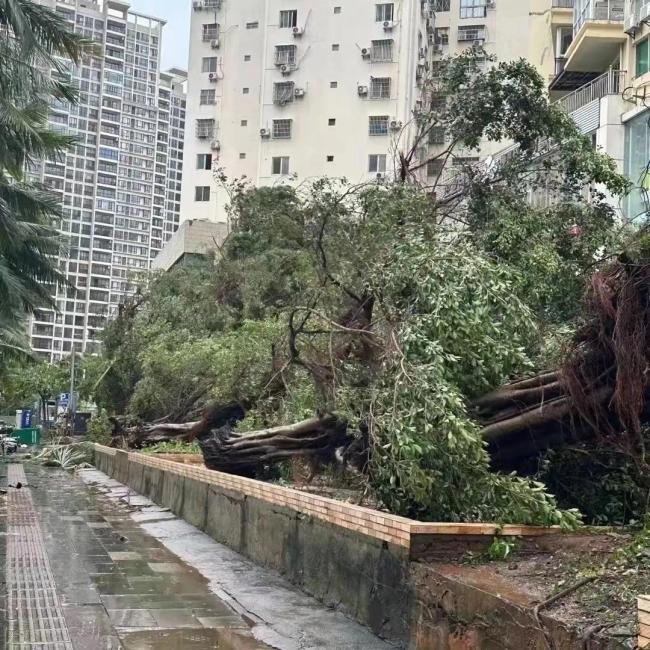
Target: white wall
(318,65)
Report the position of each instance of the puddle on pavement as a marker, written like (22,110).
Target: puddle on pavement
(190,640)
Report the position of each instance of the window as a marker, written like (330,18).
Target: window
(285,55)
(337,10)
(437,135)
(377,163)
(204,128)
(210,32)
(378,125)
(331,121)
(288,19)
(283,92)
(471,33)
(244,122)
(441,36)
(208,97)
(438,101)
(247,57)
(281,128)
(384,11)
(473,8)
(253,25)
(280,165)
(242,156)
(335,47)
(382,50)
(434,168)
(245,91)
(334,84)
(202,193)
(379,88)
(330,158)
(642,57)
(204,161)
(209,64)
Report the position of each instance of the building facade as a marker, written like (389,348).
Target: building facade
(287,91)
(120,185)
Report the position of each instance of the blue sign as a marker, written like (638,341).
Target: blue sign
(64,399)
(26,419)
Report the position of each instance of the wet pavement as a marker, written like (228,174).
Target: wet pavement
(92,566)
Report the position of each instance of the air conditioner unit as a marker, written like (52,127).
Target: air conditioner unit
(362,90)
(491,4)
(197,4)
(396,125)
(298,31)
(265,133)
(380,175)
(213,77)
(215,145)
(478,42)
(388,25)
(365,53)
(215,43)
(285,69)
(299,92)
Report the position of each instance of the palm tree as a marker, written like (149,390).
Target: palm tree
(35,45)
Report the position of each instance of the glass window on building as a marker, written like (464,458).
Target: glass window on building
(642,51)
(637,166)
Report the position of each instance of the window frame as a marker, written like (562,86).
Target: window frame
(380,160)
(206,60)
(384,11)
(201,193)
(378,125)
(279,130)
(473,8)
(211,93)
(291,16)
(283,165)
(641,67)
(206,164)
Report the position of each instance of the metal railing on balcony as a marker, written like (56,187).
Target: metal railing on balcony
(562,4)
(587,10)
(611,82)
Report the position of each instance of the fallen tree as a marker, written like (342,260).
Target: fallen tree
(600,391)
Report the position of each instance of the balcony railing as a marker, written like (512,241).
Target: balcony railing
(588,10)
(562,4)
(610,83)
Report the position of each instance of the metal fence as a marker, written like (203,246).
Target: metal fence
(587,10)
(611,82)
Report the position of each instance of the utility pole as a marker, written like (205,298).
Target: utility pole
(71,405)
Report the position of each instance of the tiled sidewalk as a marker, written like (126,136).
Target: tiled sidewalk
(81,574)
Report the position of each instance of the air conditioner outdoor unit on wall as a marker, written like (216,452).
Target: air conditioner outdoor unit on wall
(362,90)
(215,145)
(388,25)
(265,133)
(215,43)
(395,125)
(365,53)
(213,77)
(299,92)
(298,31)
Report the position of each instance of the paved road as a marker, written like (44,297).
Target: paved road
(89,565)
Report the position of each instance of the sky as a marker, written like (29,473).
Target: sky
(176,32)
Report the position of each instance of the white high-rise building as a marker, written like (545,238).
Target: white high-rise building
(120,185)
(315,88)
(287,91)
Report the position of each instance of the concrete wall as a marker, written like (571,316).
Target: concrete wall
(404,579)
(365,577)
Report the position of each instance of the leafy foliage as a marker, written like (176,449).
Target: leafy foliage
(33,37)
(386,304)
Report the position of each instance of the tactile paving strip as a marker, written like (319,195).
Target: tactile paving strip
(35,617)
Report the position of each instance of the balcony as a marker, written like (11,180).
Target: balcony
(610,83)
(597,38)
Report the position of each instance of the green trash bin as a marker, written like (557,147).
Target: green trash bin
(28,436)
